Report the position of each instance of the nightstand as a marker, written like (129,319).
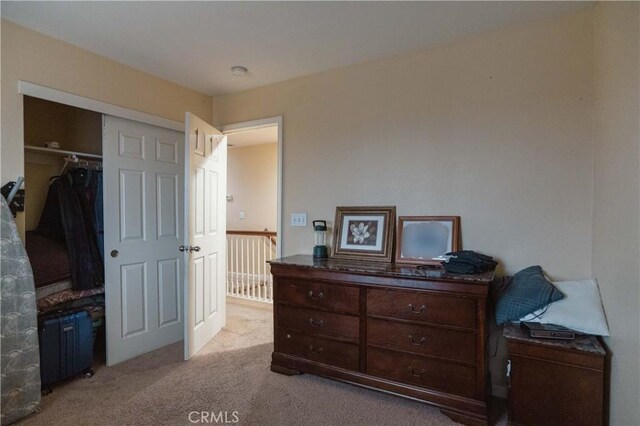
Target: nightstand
(555,382)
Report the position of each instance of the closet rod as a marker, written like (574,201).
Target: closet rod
(73,159)
(60,152)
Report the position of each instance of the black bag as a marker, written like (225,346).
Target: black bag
(468,262)
(66,347)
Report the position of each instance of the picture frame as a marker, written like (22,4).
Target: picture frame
(423,240)
(364,233)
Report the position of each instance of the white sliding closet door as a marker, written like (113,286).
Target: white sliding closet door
(144,228)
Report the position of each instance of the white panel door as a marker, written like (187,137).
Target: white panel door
(144,227)
(206,210)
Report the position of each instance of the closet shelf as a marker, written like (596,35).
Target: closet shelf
(60,152)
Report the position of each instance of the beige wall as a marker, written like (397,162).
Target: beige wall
(33,57)
(496,128)
(252,179)
(616,203)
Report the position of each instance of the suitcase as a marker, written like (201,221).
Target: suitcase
(66,347)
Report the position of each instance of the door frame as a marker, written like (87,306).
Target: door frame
(243,126)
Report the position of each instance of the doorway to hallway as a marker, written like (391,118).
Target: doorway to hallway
(253,213)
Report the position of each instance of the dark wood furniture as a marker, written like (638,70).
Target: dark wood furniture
(555,382)
(415,333)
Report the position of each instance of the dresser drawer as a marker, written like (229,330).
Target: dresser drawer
(319,323)
(422,307)
(420,371)
(424,340)
(334,297)
(343,355)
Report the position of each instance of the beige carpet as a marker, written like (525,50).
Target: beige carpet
(231,374)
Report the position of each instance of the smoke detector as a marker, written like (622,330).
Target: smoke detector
(239,70)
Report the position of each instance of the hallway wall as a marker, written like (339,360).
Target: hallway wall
(252,179)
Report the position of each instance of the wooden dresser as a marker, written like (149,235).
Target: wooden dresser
(555,382)
(414,333)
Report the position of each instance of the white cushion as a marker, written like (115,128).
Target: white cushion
(580,310)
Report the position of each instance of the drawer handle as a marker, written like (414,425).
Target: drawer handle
(414,373)
(417,311)
(316,323)
(319,296)
(315,349)
(418,343)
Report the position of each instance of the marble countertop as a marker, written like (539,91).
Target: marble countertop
(581,343)
(380,268)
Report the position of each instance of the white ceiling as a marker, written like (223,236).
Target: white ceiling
(253,137)
(195,43)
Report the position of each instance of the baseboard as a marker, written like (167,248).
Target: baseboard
(499,391)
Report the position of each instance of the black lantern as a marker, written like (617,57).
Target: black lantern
(320,235)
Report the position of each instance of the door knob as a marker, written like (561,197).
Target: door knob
(194,248)
(183,248)
(114,253)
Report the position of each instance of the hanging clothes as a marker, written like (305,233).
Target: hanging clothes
(88,184)
(78,245)
(50,224)
(73,214)
(66,209)
(20,361)
(83,183)
(99,213)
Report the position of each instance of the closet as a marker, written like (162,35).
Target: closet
(149,265)
(64,224)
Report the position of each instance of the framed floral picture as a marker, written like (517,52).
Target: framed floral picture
(424,240)
(364,233)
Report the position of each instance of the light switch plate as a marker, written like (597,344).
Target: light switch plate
(298,219)
(241,215)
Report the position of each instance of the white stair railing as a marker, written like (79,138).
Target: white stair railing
(248,273)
